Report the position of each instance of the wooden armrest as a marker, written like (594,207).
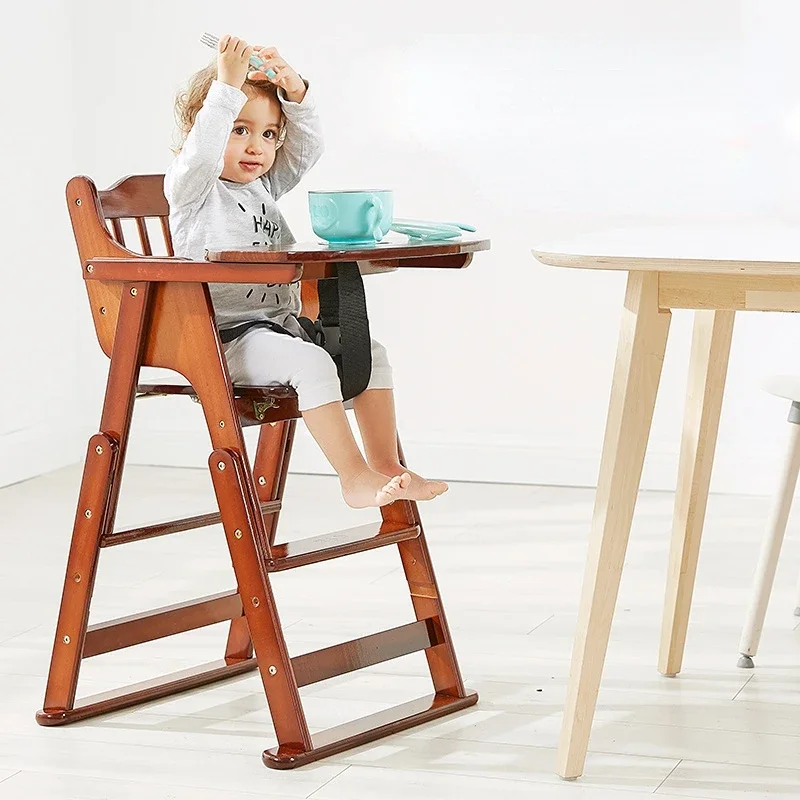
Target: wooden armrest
(186,271)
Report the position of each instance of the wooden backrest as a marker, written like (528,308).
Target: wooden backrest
(138,198)
(99,222)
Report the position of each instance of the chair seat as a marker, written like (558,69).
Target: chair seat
(786,386)
(255,404)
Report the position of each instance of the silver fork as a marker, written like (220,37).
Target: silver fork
(212,41)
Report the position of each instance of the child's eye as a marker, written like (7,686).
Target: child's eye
(269,134)
(240,130)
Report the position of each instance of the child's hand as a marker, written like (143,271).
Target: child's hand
(233,60)
(292,84)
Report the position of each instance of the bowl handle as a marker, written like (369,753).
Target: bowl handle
(374,213)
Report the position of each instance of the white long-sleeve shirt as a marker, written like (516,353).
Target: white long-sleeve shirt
(209,213)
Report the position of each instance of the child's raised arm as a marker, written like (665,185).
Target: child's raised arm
(200,161)
(303,144)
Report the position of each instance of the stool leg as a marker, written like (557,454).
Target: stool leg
(711,344)
(771,545)
(637,372)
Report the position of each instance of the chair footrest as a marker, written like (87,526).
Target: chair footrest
(339,543)
(147,690)
(368,729)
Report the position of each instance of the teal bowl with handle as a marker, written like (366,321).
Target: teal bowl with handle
(351,216)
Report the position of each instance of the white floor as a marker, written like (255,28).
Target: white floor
(509,561)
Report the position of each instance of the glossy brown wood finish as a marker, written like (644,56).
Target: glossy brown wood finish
(256,405)
(174,526)
(425,597)
(178,618)
(301,552)
(146,691)
(283,697)
(136,196)
(183,271)
(98,500)
(309,252)
(73,617)
(156,311)
(369,729)
(367,651)
(272,465)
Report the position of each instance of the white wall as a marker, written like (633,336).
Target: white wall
(534,124)
(40,301)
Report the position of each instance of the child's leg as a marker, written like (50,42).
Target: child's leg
(375,414)
(361,486)
(263,357)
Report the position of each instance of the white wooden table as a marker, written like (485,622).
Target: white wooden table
(716,271)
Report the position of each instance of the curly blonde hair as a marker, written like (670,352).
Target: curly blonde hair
(190,100)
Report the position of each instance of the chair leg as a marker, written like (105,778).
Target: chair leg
(425,598)
(97,504)
(711,344)
(91,523)
(640,355)
(771,545)
(269,469)
(271,465)
(244,531)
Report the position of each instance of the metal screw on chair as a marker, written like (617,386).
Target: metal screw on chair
(88,513)
(255,602)
(273,670)
(134,291)
(222,423)
(78,202)
(262,480)
(220,465)
(103,310)
(90,267)
(67,640)
(98,450)
(77,577)
(237,533)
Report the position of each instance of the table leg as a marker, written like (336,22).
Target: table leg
(711,344)
(637,372)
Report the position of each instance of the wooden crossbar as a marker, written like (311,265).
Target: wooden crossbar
(364,652)
(289,555)
(178,618)
(175,526)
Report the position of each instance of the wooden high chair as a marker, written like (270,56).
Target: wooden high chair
(156,311)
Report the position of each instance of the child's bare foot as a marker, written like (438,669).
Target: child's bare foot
(419,488)
(370,488)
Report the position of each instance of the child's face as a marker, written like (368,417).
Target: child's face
(251,147)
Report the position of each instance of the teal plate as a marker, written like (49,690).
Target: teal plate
(430,231)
